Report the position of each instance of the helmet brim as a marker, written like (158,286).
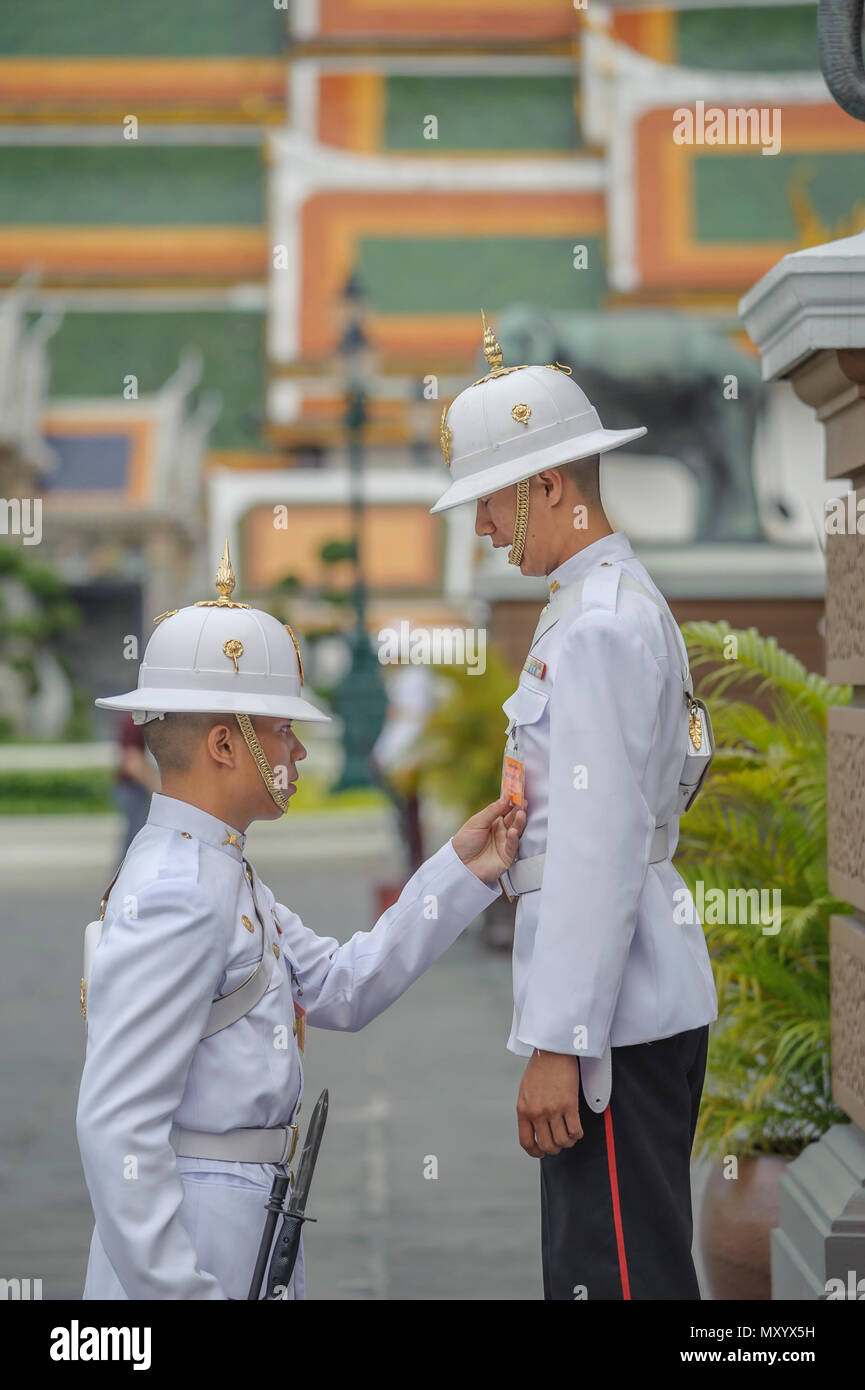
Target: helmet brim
(216,702)
(487,480)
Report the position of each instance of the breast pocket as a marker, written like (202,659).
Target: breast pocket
(526,706)
(247,961)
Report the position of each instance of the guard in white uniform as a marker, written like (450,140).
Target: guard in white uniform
(605,740)
(198,984)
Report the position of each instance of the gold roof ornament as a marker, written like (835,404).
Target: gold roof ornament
(225,584)
(493,354)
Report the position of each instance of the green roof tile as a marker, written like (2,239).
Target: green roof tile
(441,275)
(144,185)
(156,28)
(481,113)
(738,38)
(92,352)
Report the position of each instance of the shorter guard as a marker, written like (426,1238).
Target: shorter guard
(198,983)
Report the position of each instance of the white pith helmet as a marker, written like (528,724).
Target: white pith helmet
(219,656)
(514,423)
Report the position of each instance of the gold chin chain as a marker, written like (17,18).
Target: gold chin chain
(521,522)
(255,748)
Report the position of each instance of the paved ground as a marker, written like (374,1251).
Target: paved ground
(430,1078)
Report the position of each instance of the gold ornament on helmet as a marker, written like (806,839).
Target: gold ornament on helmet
(297,649)
(522,413)
(445,437)
(233,648)
(225,584)
(493,354)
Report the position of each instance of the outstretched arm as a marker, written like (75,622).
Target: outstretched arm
(345,987)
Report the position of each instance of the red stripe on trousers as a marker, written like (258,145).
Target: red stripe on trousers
(617,1211)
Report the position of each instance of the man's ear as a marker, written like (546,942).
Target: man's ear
(222,744)
(552,485)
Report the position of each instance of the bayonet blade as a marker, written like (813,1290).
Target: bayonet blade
(308,1157)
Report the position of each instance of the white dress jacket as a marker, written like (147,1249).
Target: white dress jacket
(177,934)
(601,955)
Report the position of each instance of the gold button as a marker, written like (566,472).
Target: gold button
(275,950)
(186,835)
(554,586)
(246,922)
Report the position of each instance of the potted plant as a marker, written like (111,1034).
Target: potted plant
(760,823)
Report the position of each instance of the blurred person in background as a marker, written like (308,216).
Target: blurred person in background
(136,779)
(411,696)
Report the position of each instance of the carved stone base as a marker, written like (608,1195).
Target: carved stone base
(821,1235)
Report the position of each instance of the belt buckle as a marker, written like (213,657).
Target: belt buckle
(507,887)
(288,1153)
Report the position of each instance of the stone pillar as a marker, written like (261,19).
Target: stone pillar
(807,317)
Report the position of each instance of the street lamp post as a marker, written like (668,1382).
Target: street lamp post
(360,700)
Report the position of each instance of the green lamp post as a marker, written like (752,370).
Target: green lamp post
(360,701)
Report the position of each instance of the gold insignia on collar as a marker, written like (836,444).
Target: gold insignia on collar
(232,839)
(521,413)
(225,584)
(297,649)
(233,648)
(445,437)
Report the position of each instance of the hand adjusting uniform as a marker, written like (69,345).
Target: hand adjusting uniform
(609,955)
(188,1107)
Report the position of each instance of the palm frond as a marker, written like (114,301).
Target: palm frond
(760,823)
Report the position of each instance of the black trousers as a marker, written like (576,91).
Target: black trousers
(616,1218)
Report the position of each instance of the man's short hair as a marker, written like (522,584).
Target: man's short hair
(173,739)
(585,476)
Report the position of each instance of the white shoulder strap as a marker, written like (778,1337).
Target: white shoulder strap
(230,1007)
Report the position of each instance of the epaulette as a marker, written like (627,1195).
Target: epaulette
(601,587)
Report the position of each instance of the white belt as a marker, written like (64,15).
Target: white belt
(527,875)
(237,1145)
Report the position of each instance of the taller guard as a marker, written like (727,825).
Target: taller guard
(198,983)
(613,986)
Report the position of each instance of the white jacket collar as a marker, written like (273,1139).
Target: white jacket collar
(609,548)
